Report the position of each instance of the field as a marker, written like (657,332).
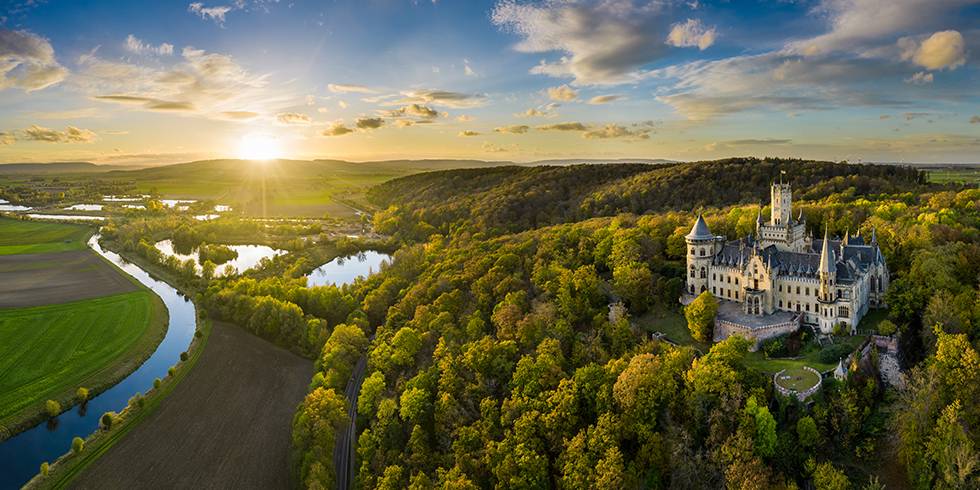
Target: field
(968,175)
(68,319)
(47,352)
(32,237)
(797,379)
(226,425)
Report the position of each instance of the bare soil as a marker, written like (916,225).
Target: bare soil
(61,277)
(226,425)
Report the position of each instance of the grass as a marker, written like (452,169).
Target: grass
(954,175)
(47,352)
(670,323)
(798,379)
(809,357)
(32,237)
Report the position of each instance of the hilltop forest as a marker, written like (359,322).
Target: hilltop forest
(509,344)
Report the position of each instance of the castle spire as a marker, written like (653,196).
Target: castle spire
(847,238)
(828,264)
(700,230)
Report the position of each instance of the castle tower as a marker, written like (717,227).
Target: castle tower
(828,279)
(700,252)
(782,204)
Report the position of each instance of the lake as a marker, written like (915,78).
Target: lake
(344,270)
(249,256)
(22,455)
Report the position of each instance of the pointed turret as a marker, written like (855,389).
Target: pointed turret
(874,236)
(847,238)
(700,230)
(828,263)
(800,218)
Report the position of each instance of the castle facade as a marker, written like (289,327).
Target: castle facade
(782,269)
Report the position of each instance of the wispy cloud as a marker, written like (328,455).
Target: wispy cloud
(27,62)
(137,46)
(215,13)
(346,88)
(691,34)
(71,134)
(515,129)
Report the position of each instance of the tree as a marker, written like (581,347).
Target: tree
(414,404)
(45,467)
(77,445)
(53,408)
(107,420)
(634,283)
(887,328)
(700,315)
(315,426)
(952,452)
(370,396)
(807,432)
(826,477)
(765,427)
(82,394)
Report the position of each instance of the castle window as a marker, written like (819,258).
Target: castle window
(780,303)
(736,294)
(701,252)
(736,281)
(692,286)
(797,290)
(704,273)
(797,307)
(807,291)
(843,311)
(713,290)
(729,279)
(780,288)
(692,271)
(808,307)
(692,250)
(714,276)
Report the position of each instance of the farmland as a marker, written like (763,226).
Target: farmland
(68,319)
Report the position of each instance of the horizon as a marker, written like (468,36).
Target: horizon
(489,80)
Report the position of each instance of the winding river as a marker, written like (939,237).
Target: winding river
(22,455)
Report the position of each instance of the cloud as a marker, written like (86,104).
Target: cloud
(369,123)
(975,120)
(467,132)
(443,98)
(909,116)
(600,41)
(763,141)
(216,13)
(27,62)
(337,129)
(135,45)
(416,110)
(920,78)
(404,123)
(344,88)
(604,99)
(467,70)
(464,118)
(942,50)
(562,93)
(616,131)
(489,147)
(293,118)
(199,82)
(691,34)
(565,126)
(71,134)
(7,138)
(148,102)
(515,129)
(546,110)
(240,115)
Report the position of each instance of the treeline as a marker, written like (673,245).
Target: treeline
(509,199)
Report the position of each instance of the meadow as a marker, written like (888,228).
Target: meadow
(69,319)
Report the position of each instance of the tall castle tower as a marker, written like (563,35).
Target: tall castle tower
(701,249)
(782,230)
(827,292)
(782,204)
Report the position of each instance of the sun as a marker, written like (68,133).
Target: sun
(254,146)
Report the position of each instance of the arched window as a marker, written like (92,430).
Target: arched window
(692,286)
(692,271)
(701,252)
(704,273)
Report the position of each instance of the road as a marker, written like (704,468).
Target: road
(343,454)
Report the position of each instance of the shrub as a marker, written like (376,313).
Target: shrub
(107,420)
(45,468)
(52,407)
(137,401)
(887,328)
(157,383)
(833,353)
(774,347)
(198,333)
(77,445)
(172,371)
(82,394)
(183,356)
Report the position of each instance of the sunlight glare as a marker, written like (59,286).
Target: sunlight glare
(258,147)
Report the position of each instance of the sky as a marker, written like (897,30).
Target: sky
(137,83)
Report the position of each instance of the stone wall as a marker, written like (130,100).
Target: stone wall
(726,328)
(800,395)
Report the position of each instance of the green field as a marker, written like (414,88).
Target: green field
(31,237)
(47,352)
(954,175)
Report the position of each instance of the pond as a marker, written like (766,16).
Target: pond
(66,217)
(171,203)
(22,455)
(6,206)
(249,256)
(84,207)
(344,270)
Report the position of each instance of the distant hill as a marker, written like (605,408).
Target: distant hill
(595,161)
(513,198)
(53,168)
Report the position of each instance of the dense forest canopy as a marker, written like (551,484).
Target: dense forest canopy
(508,199)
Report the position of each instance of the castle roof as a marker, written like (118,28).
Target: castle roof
(828,263)
(700,230)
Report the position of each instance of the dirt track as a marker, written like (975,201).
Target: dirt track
(226,425)
(60,277)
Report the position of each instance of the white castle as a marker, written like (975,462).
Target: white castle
(782,277)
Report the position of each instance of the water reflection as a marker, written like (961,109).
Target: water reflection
(249,256)
(345,270)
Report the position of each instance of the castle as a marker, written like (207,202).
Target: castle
(771,283)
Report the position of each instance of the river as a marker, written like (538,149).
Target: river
(22,455)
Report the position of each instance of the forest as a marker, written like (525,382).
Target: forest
(514,354)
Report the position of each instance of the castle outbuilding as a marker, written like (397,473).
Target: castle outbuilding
(772,282)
